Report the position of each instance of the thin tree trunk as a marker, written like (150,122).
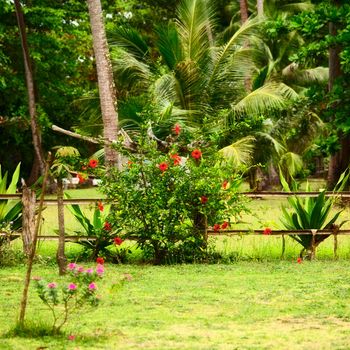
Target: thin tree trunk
(106,86)
(36,134)
(243,6)
(338,161)
(260,7)
(61,258)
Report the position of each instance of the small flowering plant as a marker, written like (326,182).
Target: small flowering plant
(71,296)
(166,199)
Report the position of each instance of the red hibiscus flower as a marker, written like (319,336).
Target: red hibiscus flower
(100,206)
(107,226)
(177,129)
(81,178)
(118,241)
(163,166)
(267,231)
(216,227)
(204,199)
(176,158)
(224,225)
(299,260)
(196,154)
(93,163)
(100,260)
(224,185)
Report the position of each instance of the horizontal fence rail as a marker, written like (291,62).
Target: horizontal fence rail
(213,233)
(256,195)
(335,231)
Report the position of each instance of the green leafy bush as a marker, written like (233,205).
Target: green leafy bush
(166,198)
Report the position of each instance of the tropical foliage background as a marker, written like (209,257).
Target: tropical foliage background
(265,81)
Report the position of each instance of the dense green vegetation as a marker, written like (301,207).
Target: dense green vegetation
(187,61)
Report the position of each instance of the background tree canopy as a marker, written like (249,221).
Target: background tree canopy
(230,79)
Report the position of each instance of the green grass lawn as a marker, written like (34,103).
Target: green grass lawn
(258,301)
(247,305)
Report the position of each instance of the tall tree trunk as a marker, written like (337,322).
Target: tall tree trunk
(36,134)
(243,6)
(106,86)
(339,161)
(260,7)
(61,258)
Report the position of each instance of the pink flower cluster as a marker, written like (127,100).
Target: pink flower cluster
(92,286)
(73,267)
(72,286)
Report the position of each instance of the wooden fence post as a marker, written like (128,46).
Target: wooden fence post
(28,218)
(335,236)
(283,246)
(313,245)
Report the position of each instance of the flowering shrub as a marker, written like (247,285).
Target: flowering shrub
(165,200)
(64,299)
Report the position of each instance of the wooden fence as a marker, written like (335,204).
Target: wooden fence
(227,232)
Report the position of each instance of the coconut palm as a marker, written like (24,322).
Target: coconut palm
(105,80)
(199,77)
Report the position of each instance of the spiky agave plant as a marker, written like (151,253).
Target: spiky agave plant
(312,213)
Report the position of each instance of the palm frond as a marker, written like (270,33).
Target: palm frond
(231,74)
(130,40)
(305,76)
(194,26)
(169,45)
(277,145)
(291,163)
(240,152)
(297,7)
(236,42)
(271,96)
(131,72)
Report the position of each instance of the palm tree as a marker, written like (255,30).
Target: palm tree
(282,144)
(105,80)
(201,77)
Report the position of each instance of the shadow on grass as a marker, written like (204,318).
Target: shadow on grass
(36,329)
(31,329)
